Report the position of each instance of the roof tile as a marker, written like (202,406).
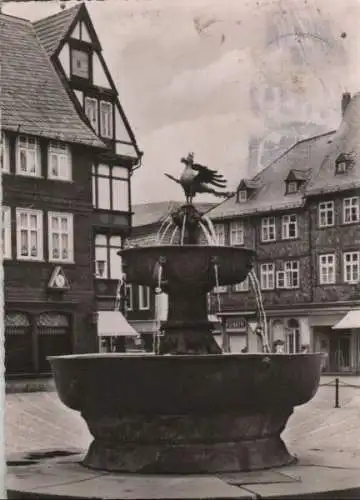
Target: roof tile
(33,99)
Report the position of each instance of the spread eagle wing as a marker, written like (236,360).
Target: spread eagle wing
(208,176)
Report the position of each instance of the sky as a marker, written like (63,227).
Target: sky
(185,68)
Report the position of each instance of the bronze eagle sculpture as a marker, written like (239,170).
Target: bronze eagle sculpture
(197,178)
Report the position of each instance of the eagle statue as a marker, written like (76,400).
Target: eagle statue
(197,178)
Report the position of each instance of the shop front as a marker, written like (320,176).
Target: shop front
(337,336)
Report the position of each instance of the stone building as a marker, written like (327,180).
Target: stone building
(67,158)
(301,215)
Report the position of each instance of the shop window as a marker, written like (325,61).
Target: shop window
(293,336)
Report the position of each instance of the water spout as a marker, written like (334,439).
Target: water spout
(209,239)
(211,228)
(263,320)
(164,224)
(183,230)
(168,226)
(173,235)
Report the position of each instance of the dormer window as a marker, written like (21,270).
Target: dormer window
(80,63)
(342,164)
(242,196)
(245,189)
(341,167)
(292,187)
(294,180)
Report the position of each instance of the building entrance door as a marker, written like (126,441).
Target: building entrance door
(340,352)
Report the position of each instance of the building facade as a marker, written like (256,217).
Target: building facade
(301,216)
(67,158)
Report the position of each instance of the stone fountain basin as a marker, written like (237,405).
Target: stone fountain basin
(186,414)
(187,264)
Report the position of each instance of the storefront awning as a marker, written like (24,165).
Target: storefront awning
(350,320)
(113,324)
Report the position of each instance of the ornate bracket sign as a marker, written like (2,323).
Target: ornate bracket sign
(58,280)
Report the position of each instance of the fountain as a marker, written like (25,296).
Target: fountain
(190,408)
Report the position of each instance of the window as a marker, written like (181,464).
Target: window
(106,119)
(341,167)
(59,161)
(80,63)
(352,267)
(351,210)
(111,188)
(289,227)
(292,187)
(29,234)
(293,337)
(280,279)
(28,156)
(4,155)
(220,234)
(129,297)
(242,195)
(236,233)
(144,297)
(91,111)
(243,286)
(292,275)
(268,230)
(107,260)
(61,237)
(6,232)
(327,269)
(326,214)
(267,276)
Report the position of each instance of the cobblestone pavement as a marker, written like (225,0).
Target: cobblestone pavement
(39,421)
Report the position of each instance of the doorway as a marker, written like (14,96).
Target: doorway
(340,352)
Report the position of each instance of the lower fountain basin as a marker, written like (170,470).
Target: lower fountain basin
(186,414)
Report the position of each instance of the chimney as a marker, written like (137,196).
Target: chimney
(345,100)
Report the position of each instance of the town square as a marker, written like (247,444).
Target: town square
(180,248)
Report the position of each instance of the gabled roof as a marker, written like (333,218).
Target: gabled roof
(146,214)
(346,141)
(271,195)
(298,175)
(51,30)
(33,99)
(248,184)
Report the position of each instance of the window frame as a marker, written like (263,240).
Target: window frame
(37,155)
(144,307)
(40,234)
(289,186)
(66,156)
(71,246)
(325,210)
(286,223)
(108,246)
(351,264)
(242,195)
(5,157)
(267,276)
(357,211)
(112,181)
(129,305)
(326,265)
(93,100)
(83,51)
(290,263)
(109,133)
(237,228)
(268,223)
(7,232)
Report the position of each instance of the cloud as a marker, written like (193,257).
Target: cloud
(184,69)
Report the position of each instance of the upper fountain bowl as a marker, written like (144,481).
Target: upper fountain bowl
(187,265)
